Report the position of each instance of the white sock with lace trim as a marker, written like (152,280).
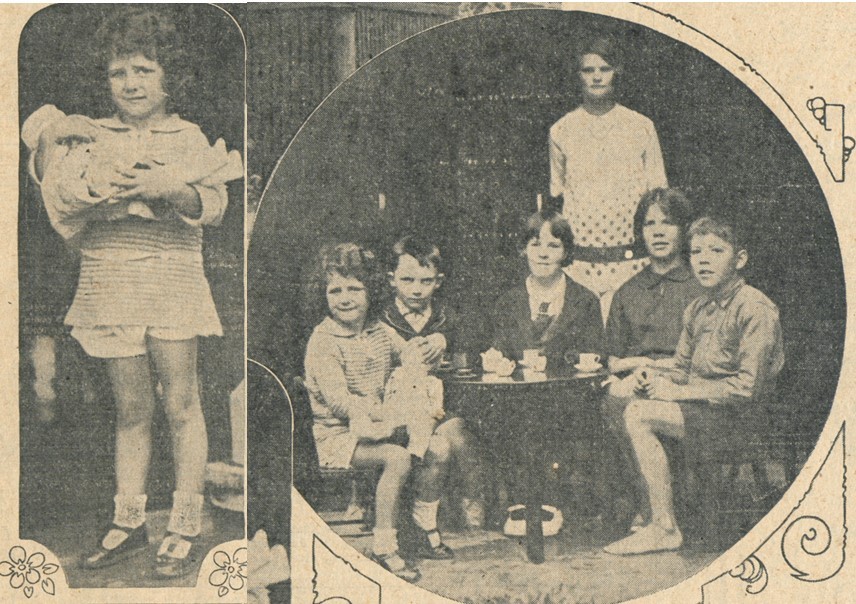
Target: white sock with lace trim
(185,519)
(129,511)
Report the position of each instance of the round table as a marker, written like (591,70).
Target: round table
(522,415)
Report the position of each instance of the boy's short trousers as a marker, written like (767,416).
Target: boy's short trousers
(122,341)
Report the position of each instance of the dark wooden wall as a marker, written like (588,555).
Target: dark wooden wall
(451,126)
(300,52)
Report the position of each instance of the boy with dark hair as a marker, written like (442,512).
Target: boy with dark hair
(415,276)
(728,357)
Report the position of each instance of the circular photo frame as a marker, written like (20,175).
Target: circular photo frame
(447,136)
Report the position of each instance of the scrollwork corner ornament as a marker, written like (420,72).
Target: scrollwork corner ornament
(806,548)
(754,573)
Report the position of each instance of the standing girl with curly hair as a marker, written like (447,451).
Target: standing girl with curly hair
(132,193)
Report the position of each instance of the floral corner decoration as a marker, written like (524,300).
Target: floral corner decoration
(25,572)
(231,571)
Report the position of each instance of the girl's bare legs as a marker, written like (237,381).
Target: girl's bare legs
(135,404)
(394,462)
(131,381)
(175,364)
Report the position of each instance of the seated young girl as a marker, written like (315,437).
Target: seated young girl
(645,321)
(349,358)
(551,313)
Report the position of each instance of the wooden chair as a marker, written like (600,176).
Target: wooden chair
(316,483)
(723,515)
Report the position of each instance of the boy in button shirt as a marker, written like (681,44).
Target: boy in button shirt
(728,357)
(416,273)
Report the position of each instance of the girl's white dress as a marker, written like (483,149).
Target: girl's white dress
(602,166)
(141,265)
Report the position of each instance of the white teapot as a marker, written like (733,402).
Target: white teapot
(493,361)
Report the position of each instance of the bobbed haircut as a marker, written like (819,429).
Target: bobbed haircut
(725,229)
(346,260)
(559,228)
(674,205)
(130,30)
(426,253)
(605,47)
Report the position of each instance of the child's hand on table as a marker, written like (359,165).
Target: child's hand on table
(432,347)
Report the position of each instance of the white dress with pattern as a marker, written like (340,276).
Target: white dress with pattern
(602,165)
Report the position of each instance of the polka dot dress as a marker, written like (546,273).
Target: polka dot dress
(601,166)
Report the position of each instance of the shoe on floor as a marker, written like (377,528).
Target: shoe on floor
(177,556)
(648,539)
(421,547)
(397,566)
(117,544)
(515,523)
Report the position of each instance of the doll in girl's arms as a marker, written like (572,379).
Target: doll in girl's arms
(86,165)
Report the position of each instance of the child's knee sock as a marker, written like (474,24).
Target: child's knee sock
(129,511)
(385,541)
(425,517)
(186,516)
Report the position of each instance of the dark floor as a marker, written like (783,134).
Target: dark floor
(489,568)
(72,540)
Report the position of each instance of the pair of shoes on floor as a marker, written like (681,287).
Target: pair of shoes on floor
(177,555)
(117,544)
(420,546)
(515,524)
(395,564)
(647,540)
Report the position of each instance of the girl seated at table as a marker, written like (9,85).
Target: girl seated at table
(349,358)
(645,321)
(551,313)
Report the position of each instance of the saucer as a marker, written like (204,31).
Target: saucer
(465,373)
(588,368)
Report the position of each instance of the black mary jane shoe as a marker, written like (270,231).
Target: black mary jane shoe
(135,542)
(421,547)
(407,573)
(169,564)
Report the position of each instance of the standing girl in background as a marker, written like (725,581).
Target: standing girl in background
(132,193)
(603,158)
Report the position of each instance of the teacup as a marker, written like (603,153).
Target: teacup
(533,359)
(589,360)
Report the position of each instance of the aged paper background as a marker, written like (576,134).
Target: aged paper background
(802,50)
